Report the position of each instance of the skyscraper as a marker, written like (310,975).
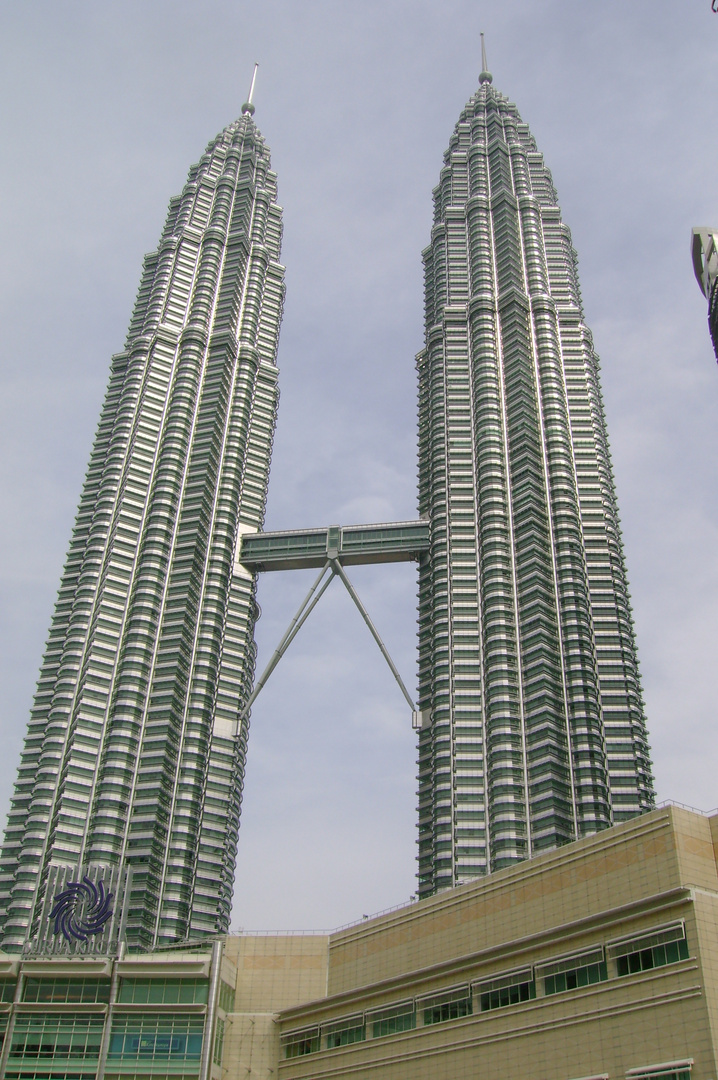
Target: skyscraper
(531,727)
(533,730)
(133,759)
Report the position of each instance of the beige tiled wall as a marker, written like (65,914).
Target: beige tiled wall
(276,971)
(273,973)
(618,867)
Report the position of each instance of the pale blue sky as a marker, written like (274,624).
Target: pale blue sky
(104,107)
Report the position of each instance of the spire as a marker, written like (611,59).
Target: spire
(248,107)
(485,75)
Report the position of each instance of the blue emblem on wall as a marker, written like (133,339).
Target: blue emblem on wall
(81,909)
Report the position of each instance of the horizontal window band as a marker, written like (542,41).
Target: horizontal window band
(444,997)
(511,978)
(347,1023)
(300,1035)
(389,1012)
(570,963)
(660,935)
(665,1068)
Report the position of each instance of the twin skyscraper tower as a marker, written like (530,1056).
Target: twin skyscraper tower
(531,730)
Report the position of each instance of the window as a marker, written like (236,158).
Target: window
(52,1038)
(218,1041)
(345,1035)
(66,991)
(574,972)
(657,956)
(299,1043)
(7,990)
(507,995)
(509,989)
(393,1020)
(672,1074)
(226,998)
(142,1075)
(451,1005)
(43,1074)
(450,1010)
(666,945)
(164,992)
(174,1039)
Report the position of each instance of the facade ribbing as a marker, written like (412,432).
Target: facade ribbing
(533,730)
(133,755)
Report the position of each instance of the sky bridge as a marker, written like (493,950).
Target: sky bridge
(329,550)
(352,545)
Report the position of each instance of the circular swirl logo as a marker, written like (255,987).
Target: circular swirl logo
(81,909)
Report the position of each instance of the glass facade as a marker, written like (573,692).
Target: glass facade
(58,1041)
(134,756)
(139,1019)
(65,991)
(163,991)
(532,723)
(172,1040)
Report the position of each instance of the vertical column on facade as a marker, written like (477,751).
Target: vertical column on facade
(435,782)
(41,759)
(235,304)
(42,753)
(470,856)
(224,772)
(230,497)
(626,744)
(425,621)
(623,738)
(492,533)
(468,744)
(205,550)
(178,642)
(578,800)
(506,591)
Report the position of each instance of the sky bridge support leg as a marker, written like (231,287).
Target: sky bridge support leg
(308,604)
(339,571)
(305,609)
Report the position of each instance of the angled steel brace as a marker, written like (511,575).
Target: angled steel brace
(305,609)
(308,604)
(339,571)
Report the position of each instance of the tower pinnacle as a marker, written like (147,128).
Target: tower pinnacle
(248,107)
(485,75)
